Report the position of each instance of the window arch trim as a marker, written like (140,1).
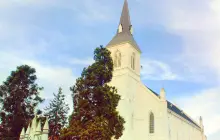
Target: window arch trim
(117,59)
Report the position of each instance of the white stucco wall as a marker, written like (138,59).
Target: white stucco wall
(126,81)
(34,132)
(146,102)
(180,129)
(137,101)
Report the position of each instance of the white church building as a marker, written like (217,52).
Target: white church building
(34,130)
(148,115)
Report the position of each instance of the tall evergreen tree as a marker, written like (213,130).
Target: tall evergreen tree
(95,116)
(57,112)
(19,96)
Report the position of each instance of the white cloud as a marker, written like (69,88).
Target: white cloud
(95,11)
(51,77)
(15,3)
(204,103)
(197,24)
(199,28)
(200,31)
(156,70)
(24,42)
(87,11)
(214,136)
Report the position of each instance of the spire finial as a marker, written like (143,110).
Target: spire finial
(200,120)
(22,135)
(28,130)
(163,94)
(46,126)
(125,21)
(38,126)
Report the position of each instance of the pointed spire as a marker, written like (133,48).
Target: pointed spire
(38,130)
(28,131)
(201,124)
(22,134)
(45,130)
(201,121)
(125,21)
(162,94)
(46,126)
(125,31)
(34,121)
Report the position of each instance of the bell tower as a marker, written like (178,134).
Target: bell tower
(126,75)
(124,49)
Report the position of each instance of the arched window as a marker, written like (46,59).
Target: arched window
(151,123)
(117,59)
(133,61)
(120,28)
(131,29)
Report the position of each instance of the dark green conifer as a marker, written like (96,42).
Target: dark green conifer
(95,116)
(57,112)
(19,96)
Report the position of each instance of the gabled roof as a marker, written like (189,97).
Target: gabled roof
(176,110)
(124,37)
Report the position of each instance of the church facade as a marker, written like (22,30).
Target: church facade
(148,115)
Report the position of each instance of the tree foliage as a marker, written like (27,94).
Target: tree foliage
(19,96)
(57,112)
(95,115)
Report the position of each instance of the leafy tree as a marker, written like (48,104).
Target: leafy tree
(57,112)
(19,96)
(95,116)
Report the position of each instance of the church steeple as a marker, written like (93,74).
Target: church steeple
(125,31)
(125,21)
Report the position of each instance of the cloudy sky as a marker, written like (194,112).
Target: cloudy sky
(180,41)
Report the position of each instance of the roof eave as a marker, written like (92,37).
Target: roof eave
(124,42)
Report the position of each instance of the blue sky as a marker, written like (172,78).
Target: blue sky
(179,40)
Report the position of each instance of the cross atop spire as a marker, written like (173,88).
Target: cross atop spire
(125,21)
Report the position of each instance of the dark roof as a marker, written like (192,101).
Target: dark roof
(125,35)
(125,20)
(153,92)
(180,112)
(175,109)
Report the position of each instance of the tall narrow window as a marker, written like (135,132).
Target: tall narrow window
(133,61)
(117,59)
(151,123)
